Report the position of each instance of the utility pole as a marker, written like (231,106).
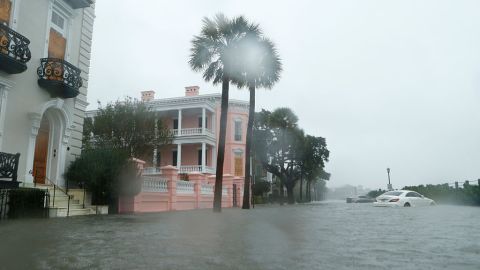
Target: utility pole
(389,186)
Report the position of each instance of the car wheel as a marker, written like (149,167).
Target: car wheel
(406,204)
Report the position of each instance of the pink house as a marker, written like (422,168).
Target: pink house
(181,175)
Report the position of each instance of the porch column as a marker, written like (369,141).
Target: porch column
(35,120)
(203,121)
(179,122)
(179,156)
(3,110)
(204,156)
(155,150)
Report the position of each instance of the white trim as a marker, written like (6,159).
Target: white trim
(14,14)
(66,13)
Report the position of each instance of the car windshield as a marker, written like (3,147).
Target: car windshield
(393,193)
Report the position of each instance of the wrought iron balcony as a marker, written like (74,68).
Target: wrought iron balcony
(14,51)
(79,3)
(59,78)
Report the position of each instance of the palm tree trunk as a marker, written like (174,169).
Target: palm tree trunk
(301,189)
(248,147)
(217,198)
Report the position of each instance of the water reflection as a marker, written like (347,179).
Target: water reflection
(331,235)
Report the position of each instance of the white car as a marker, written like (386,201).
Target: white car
(404,198)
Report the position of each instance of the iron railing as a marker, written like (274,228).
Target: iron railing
(14,205)
(14,48)
(59,78)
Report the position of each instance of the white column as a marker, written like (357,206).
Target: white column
(204,156)
(3,110)
(203,121)
(155,150)
(179,155)
(179,122)
(35,120)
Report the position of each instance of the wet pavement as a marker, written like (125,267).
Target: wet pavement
(329,235)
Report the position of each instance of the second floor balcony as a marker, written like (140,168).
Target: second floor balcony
(59,78)
(192,132)
(14,51)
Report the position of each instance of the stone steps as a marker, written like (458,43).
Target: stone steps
(61,207)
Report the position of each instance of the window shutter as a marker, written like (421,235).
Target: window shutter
(238,166)
(5,10)
(56,45)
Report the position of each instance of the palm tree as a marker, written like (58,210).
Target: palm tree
(261,67)
(215,52)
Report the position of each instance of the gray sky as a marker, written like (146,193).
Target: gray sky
(387,83)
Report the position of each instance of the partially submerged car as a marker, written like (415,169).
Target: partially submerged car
(405,198)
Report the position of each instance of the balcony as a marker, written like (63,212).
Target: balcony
(14,51)
(183,170)
(192,132)
(75,4)
(59,78)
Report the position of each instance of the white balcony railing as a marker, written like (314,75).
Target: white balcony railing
(154,184)
(184,187)
(151,170)
(190,168)
(192,132)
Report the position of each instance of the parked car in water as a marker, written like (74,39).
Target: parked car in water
(404,198)
(360,199)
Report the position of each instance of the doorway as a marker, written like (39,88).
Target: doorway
(41,152)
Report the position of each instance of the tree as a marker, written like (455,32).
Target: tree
(276,144)
(107,173)
(314,154)
(215,52)
(285,151)
(261,67)
(128,126)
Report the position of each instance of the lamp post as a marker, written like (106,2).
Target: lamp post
(389,186)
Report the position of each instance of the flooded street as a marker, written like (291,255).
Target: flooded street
(331,235)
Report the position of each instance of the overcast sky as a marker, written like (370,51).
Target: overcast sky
(387,83)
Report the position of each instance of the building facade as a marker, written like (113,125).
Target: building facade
(44,67)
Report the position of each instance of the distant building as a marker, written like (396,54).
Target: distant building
(194,120)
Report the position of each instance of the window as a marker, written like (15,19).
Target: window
(174,158)
(58,20)
(238,130)
(159,159)
(175,123)
(393,193)
(238,164)
(200,122)
(199,157)
(413,194)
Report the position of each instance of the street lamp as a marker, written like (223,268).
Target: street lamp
(389,186)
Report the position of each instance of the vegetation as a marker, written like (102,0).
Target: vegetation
(261,67)
(129,126)
(215,52)
(285,151)
(107,173)
(466,195)
(375,193)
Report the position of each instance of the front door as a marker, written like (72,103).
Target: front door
(41,150)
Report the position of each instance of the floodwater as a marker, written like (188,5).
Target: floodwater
(329,235)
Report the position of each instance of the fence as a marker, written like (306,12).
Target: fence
(166,192)
(24,202)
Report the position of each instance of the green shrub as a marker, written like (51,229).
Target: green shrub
(107,173)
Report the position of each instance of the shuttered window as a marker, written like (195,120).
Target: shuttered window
(5,11)
(57,45)
(238,130)
(238,165)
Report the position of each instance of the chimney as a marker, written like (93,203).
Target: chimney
(192,91)
(148,95)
